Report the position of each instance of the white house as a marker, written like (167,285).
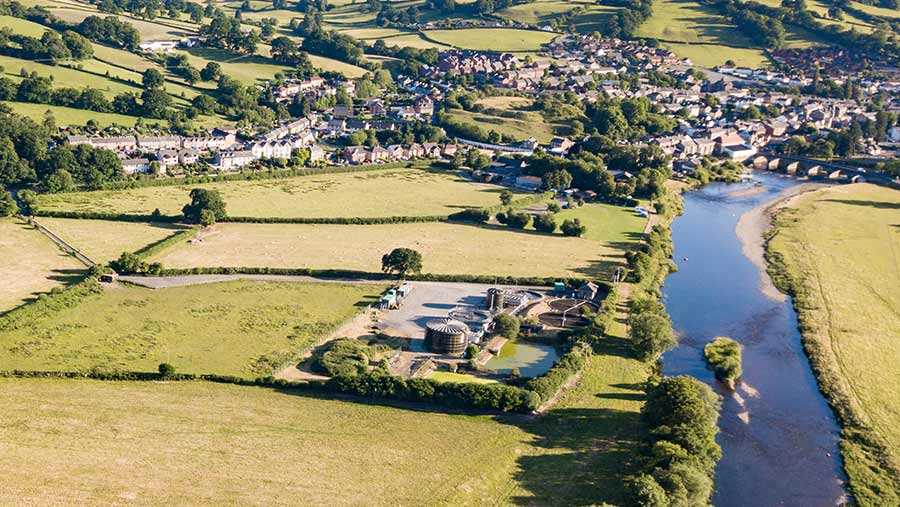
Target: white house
(233,159)
(136,165)
(159,46)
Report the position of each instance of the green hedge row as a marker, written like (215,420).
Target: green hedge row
(337,220)
(571,363)
(124,217)
(50,303)
(101,215)
(368,275)
(380,384)
(375,385)
(170,240)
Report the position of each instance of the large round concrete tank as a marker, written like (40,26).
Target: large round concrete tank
(446,336)
(494,299)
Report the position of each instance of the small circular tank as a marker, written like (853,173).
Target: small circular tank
(495,299)
(446,336)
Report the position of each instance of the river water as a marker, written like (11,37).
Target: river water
(778,436)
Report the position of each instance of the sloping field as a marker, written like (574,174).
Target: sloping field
(388,192)
(699,33)
(494,39)
(841,253)
(235,328)
(30,264)
(70,116)
(445,247)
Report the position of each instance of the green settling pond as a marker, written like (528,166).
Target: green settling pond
(532,359)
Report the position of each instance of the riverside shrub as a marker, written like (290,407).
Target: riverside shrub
(723,355)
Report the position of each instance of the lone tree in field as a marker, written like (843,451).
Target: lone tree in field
(402,261)
(506,197)
(202,200)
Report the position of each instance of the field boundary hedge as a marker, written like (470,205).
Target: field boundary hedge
(260,175)
(373,386)
(154,248)
(370,275)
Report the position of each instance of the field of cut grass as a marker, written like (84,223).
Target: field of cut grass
(388,192)
(210,445)
(30,264)
(494,39)
(449,248)
(233,328)
(614,224)
(70,116)
(841,257)
(103,241)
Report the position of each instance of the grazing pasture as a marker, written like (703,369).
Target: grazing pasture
(233,328)
(30,264)
(840,253)
(378,193)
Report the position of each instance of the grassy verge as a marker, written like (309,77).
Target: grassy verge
(837,252)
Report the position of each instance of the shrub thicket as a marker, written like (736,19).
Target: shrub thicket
(723,355)
(345,356)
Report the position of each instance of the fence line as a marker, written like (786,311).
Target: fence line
(62,243)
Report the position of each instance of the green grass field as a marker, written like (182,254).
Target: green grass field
(30,264)
(841,250)
(233,328)
(380,193)
(606,223)
(70,116)
(510,116)
(699,33)
(149,444)
(448,248)
(495,39)
(103,241)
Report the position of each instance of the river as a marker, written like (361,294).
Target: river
(779,438)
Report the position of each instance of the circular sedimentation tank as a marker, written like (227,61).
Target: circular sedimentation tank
(495,299)
(446,336)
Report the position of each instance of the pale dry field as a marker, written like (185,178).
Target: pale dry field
(102,240)
(83,442)
(30,264)
(380,193)
(446,248)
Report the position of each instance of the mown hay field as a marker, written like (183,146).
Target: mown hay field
(841,254)
(447,248)
(380,193)
(30,264)
(239,328)
(72,442)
